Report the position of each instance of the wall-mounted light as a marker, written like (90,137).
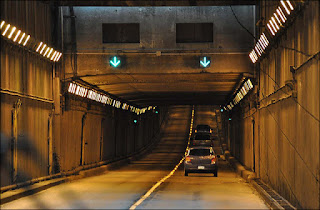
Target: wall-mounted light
(242,92)
(94,95)
(17,36)
(274,25)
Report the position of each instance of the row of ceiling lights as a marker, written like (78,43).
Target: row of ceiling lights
(17,36)
(91,94)
(275,23)
(243,91)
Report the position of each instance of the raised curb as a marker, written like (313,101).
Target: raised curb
(29,190)
(240,169)
(250,177)
(266,197)
(11,195)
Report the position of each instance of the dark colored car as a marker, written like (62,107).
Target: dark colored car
(201,140)
(203,129)
(201,160)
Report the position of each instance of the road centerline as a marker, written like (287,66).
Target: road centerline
(154,187)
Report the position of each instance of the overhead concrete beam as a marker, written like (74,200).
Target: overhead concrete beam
(156,3)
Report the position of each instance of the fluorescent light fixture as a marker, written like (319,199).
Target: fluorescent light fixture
(259,47)
(275,23)
(255,54)
(273,27)
(55,58)
(5,31)
(258,50)
(277,19)
(270,29)
(265,38)
(246,86)
(17,35)
(282,15)
(243,91)
(251,57)
(12,31)
(27,39)
(49,53)
(250,84)
(44,46)
(23,35)
(2,24)
(47,50)
(58,57)
(54,54)
(263,42)
(38,48)
(285,7)
(290,5)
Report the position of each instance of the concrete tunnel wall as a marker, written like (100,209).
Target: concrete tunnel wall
(278,138)
(90,133)
(26,96)
(157,33)
(41,127)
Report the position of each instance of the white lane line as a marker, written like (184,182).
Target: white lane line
(145,196)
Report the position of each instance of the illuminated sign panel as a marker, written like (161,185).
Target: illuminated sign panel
(205,62)
(115,61)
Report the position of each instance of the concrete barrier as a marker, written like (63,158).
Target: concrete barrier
(250,177)
(246,174)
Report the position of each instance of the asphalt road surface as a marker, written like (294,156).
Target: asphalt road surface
(121,188)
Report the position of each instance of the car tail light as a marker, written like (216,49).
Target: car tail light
(188,159)
(213,161)
(195,131)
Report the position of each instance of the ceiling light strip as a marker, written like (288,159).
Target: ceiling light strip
(12,33)
(94,95)
(242,92)
(274,25)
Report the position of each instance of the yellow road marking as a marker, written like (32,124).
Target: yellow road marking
(145,196)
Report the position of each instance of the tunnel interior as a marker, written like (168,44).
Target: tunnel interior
(89,83)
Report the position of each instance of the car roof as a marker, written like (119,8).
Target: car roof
(203,125)
(200,147)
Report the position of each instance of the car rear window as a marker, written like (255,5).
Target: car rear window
(202,137)
(200,152)
(203,127)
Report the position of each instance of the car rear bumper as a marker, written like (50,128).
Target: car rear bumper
(207,168)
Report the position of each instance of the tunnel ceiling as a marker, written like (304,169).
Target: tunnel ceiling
(168,88)
(154,2)
(158,70)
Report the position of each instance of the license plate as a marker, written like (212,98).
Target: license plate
(200,167)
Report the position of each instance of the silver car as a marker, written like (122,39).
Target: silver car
(201,140)
(201,160)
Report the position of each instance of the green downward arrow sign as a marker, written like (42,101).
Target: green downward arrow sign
(115,61)
(205,63)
